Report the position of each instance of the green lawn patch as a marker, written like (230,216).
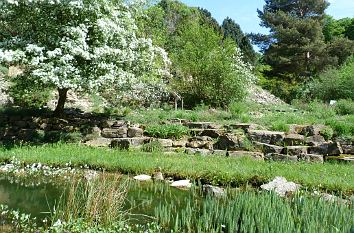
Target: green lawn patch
(216,170)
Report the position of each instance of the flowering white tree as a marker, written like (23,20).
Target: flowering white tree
(84,45)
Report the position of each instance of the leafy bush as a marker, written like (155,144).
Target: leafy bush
(333,84)
(27,93)
(238,108)
(345,107)
(208,70)
(167,131)
(327,133)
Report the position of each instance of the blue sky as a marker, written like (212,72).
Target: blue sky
(244,12)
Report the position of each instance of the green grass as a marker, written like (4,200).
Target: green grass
(216,170)
(167,131)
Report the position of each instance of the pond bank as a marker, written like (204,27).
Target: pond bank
(235,172)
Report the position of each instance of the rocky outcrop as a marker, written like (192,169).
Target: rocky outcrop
(234,140)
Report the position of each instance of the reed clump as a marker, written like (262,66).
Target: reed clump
(97,202)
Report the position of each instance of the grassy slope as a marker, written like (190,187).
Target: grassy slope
(217,170)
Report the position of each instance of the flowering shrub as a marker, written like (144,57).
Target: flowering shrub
(81,45)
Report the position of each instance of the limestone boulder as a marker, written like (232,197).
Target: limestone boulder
(312,130)
(249,154)
(198,151)
(99,142)
(165,142)
(142,178)
(296,150)
(126,143)
(228,142)
(214,190)
(265,136)
(115,132)
(281,157)
(268,148)
(296,129)
(181,184)
(134,132)
(329,148)
(315,140)
(311,158)
(281,186)
(244,126)
(294,140)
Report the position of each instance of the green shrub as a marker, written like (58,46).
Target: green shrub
(27,93)
(167,131)
(333,84)
(238,108)
(345,107)
(153,146)
(327,133)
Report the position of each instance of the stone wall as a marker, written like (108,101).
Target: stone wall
(302,143)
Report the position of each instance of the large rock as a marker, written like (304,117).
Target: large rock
(249,154)
(115,132)
(281,186)
(281,157)
(203,142)
(181,184)
(347,146)
(265,136)
(330,148)
(296,129)
(244,126)
(228,142)
(165,142)
(200,125)
(294,140)
(296,150)
(135,132)
(99,142)
(315,140)
(311,158)
(126,143)
(197,151)
(312,130)
(219,152)
(268,148)
(213,133)
(214,190)
(142,178)
(179,143)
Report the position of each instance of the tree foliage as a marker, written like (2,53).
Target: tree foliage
(207,68)
(295,44)
(233,30)
(81,45)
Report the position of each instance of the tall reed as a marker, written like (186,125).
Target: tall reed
(98,201)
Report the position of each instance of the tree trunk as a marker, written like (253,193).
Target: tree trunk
(59,110)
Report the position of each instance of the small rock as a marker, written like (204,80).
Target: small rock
(165,142)
(99,142)
(281,186)
(179,143)
(142,177)
(181,184)
(312,130)
(214,190)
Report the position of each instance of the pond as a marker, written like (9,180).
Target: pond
(193,211)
